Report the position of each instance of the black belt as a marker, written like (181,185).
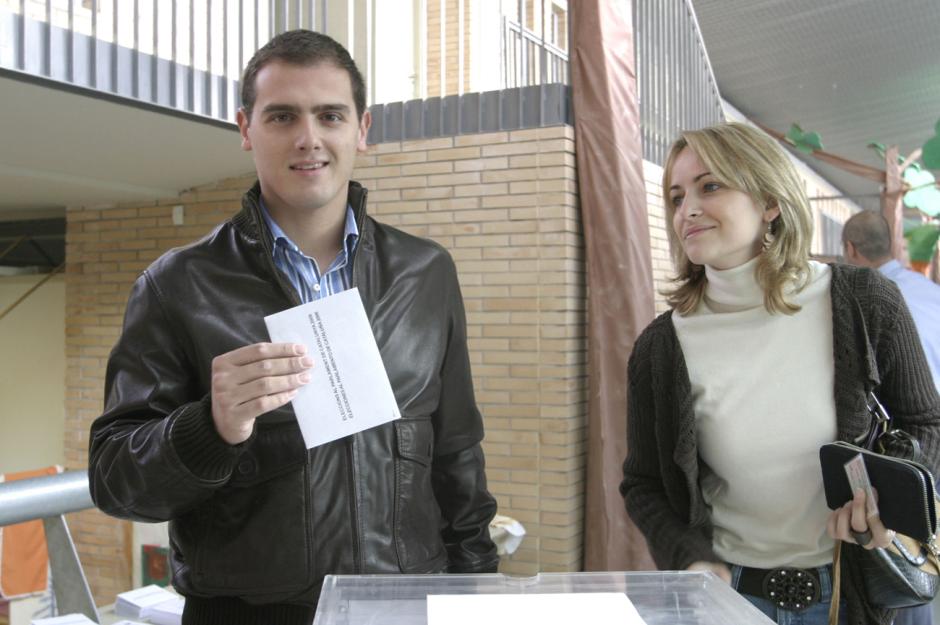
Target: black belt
(787,588)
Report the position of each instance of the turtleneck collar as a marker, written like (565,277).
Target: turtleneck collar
(732,290)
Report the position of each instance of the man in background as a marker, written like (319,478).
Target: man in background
(866,242)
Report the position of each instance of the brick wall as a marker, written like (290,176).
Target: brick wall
(505,205)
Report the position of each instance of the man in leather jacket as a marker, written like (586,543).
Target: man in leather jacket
(197,427)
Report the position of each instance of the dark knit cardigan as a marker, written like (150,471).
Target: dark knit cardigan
(661,472)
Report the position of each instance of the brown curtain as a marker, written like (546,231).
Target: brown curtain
(619,265)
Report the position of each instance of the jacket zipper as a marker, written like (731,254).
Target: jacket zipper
(354,505)
(351,440)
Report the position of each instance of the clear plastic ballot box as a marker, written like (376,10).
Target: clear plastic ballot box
(673,597)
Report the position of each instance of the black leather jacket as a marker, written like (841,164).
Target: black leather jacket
(267,519)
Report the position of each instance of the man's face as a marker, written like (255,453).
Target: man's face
(304,134)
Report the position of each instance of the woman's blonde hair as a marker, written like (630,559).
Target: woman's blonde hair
(748,160)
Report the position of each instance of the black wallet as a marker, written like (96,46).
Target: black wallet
(906,501)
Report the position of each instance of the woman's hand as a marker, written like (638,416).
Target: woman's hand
(717,568)
(849,524)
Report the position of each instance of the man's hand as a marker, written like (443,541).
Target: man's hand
(252,380)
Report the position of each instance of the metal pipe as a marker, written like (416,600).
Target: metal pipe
(174,66)
(154,63)
(21,61)
(208,100)
(241,40)
(42,497)
(115,36)
(135,56)
(93,46)
(47,62)
(70,42)
(191,100)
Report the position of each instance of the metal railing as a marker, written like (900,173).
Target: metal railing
(49,498)
(529,59)
(676,84)
(184,54)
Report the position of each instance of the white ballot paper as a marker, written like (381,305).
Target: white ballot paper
(601,608)
(349,389)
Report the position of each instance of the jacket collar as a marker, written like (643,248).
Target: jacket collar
(251,224)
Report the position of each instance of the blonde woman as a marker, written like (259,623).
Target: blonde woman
(761,360)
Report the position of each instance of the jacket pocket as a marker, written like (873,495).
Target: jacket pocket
(417,516)
(257,530)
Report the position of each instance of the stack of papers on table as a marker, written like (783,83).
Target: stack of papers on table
(165,613)
(150,602)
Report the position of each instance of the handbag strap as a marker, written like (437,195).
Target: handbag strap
(880,421)
(836,584)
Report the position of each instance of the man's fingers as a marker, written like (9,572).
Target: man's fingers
(261,369)
(261,351)
(272,385)
(266,403)
(234,396)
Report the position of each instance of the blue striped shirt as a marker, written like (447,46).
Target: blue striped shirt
(303,272)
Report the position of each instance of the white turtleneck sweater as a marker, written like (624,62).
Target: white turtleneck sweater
(763,390)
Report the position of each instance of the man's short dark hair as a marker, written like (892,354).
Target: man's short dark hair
(305,48)
(869,232)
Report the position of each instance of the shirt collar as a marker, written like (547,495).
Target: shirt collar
(279,237)
(891,268)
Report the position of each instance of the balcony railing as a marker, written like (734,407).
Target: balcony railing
(184,54)
(528,59)
(677,88)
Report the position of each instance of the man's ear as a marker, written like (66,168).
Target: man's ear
(242,119)
(364,124)
(849,251)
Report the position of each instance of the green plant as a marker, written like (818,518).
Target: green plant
(922,242)
(804,141)
(931,151)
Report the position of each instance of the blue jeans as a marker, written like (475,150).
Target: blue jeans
(818,614)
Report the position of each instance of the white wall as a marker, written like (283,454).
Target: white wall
(32,374)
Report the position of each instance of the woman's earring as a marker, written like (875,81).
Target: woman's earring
(769,237)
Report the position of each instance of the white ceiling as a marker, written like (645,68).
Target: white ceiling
(855,71)
(62,147)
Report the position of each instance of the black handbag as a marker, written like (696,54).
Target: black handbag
(907,572)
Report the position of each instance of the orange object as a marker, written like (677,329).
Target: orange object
(921,266)
(24,558)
